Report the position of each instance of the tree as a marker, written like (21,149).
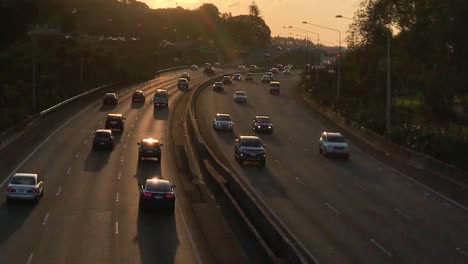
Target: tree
(254,10)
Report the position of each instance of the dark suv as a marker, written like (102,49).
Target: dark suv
(262,124)
(115,122)
(227,79)
(249,148)
(103,139)
(138,96)
(110,99)
(149,148)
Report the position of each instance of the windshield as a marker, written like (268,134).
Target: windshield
(23,180)
(102,135)
(240,93)
(158,186)
(263,120)
(336,139)
(160,94)
(223,118)
(253,143)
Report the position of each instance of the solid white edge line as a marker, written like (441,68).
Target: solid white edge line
(299,180)
(77,155)
(69,170)
(332,208)
(116,227)
(194,246)
(117,197)
(403,214)
(381,247)
(120,174)
(58,191)
(415,181)
(44,222)
(122,158)
(42,143)
(30,258)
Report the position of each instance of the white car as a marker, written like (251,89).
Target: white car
(223,122)
(217,64)
(287,71)
(194,67)
(333,143)
(241,67)
(183,83)
(240,97)
(25,186)
(185,75)
(237,77)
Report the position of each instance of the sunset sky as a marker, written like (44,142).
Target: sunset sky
(279,13)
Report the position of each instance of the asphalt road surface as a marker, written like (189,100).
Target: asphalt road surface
(355,211)
(89,213)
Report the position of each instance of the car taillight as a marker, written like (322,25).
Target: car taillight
(145,194)
(9,189)
(169,196)
(32,191)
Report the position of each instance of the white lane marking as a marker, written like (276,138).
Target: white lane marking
(194,246)
(100,122)
(299,180)
(120,174)
(41,144)
(381,247)
(45,219)
(68,171)
(332,208)
(416,182)
(30,258)
(117,197)
(122,159)
(133,125)
(116,227)
(403,214)
(129,133)
(136,118)
(464,253)
(125,145)
(77,155)
(58,191)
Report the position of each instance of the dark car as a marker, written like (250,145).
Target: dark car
(103,139)
(157,194)
(249,149)
(249,76)
(161,98)
(262,123)
(138,96)
(149,149)
(237,77)
(218,86)
(186,75)
(115,122)
(110,99)
(266,79)
(227,79)
(208,70)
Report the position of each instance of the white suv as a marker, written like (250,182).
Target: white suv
(333,143)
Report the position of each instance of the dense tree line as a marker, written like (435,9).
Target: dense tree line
(428,51)
(118,40)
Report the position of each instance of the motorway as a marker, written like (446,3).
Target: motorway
(355,211)
(89,213)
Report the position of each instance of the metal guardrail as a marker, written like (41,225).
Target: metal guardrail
(48,110)
(265,222)
(10,134)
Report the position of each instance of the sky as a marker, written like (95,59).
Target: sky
(280,13)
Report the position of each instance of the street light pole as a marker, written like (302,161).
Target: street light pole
(339,57)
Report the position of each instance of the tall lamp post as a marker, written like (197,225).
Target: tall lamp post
(339,55)
(388,101)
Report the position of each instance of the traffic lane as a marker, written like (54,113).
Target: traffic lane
(382,178)
(102,213)
(39,162)
(288,117)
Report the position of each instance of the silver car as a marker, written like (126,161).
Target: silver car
(25,186)
(223,122)
(333,143)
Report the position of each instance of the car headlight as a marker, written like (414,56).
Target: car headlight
(242,154)
(269,127)
(258,127)
(230,124)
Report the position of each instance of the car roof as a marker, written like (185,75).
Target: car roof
(249,137)
(161,90)
(111,94)
(332,133)
(183,79)
(219,83)
(114,115)
(226,76)
(104,131)
(23,174)
(221,114)
(275,82)
(150,140)
(138,91)
(240,91)
(156,181)
(185,73)
(237,74)
(249,73)
(262,116)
